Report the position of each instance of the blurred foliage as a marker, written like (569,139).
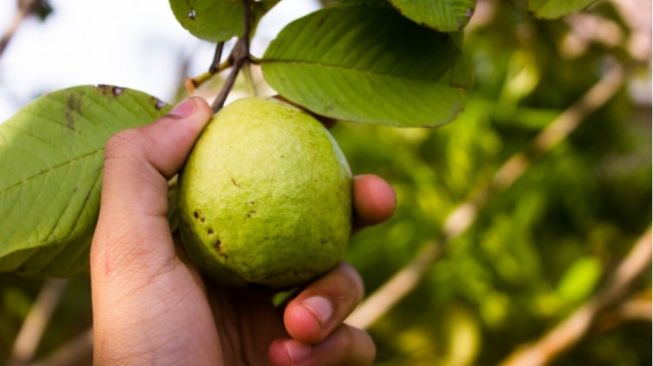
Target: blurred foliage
(536,252)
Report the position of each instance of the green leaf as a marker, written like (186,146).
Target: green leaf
(551,9)
(216,20)
(442,15)
(579,280)
(51,156)
(369,64)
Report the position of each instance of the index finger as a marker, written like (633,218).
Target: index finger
(322,306)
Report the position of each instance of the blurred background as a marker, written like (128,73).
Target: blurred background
(522,231)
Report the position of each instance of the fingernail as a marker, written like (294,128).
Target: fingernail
(297,352)
(183,109)
(320,307)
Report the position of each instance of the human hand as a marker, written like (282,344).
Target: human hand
(150,307)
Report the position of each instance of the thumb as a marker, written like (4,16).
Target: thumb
(165,143)
(142,294)
(138,163)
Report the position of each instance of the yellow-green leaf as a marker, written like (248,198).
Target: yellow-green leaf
(551,9)
(442,15)
(51,156)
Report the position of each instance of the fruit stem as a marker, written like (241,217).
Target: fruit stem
(238,58)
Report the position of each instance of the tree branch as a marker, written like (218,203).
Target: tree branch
(25,8)
(191,84)
(70,353)
(22,12)
(465,214)
(637,307)
(573,328)
(239,57)
(37,319)
(396,288)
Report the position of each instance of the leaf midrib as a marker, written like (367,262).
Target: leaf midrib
(49,169)
(363,71)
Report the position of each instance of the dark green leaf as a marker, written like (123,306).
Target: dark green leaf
(216,20)
(551,9)
(51,155)
(442,15)
(369,64)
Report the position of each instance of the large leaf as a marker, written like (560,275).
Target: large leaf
(51,155)
(216,20)
(368,64)
(442,15)
(551,9)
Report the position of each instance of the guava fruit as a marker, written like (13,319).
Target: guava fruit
(265,196)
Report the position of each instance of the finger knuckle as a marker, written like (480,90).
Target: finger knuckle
(123,143)
(370,356)
(352,280)
(360,344)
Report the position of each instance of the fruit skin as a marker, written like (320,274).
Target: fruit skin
(265,196)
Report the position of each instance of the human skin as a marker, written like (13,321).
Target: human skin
(151,307)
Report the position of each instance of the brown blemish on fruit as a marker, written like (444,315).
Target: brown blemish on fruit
(233,181)
(217,244)
(198,216)
(209,231)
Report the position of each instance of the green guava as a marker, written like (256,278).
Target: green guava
(265,196)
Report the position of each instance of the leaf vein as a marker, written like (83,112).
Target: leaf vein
(49,169)
(367,72)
